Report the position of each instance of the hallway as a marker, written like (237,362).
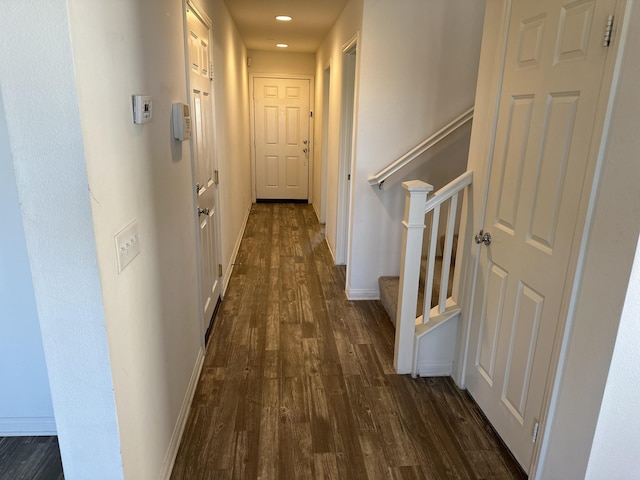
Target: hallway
(298,382)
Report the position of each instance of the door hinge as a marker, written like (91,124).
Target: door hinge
(311,114)
(211,71)
(219,269)
(536,429)
(216,177)
(608,29)
(348,177)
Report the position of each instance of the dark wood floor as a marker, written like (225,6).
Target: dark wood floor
(298,382)
(30,458)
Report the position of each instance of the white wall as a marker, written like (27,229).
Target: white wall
(123,350)
(614,453)
(231,90)
(25,402)
(281,62)
(418,67)
(138,172)
(330,54)
(39,94)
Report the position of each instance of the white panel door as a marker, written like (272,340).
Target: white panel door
(281,132)
(202,144)
(551,87)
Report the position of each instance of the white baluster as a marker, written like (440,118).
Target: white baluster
(446,254)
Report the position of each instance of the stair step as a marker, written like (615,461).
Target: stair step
(389,287)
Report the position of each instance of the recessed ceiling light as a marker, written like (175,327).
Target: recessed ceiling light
(284,18)
(282,45)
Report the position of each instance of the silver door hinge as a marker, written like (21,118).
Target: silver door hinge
(219,269)
(216,178)
(211,71)
(536,429)
(608,29)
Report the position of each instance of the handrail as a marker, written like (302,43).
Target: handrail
(448,129)
(449,190)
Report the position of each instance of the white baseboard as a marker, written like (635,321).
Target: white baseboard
(435,369)
(362,294)
(181,422)
(234,254)
(27,426)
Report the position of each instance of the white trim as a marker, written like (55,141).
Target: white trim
(434,369)
(27,426)
(234,254)
(252,127)
(362,294)
(347,154)
(200,12)
(181,422)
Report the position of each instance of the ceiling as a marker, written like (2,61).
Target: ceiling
(312,20)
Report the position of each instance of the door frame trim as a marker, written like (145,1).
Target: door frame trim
(252,124)
(347,153)
(580,239)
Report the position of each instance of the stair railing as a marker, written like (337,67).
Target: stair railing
(417,206)
(379,177)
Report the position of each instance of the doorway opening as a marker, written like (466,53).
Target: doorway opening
(349,53)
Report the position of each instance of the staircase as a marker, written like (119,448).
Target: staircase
(389,285)
(426,332)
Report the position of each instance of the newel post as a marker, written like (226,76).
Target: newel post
(414,211)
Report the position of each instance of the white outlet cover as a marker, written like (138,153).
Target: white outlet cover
(127,245)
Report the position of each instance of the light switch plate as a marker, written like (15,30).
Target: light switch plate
(142,108)
(127,245)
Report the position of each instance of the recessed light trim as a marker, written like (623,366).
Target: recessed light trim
(282,45)
(284,18)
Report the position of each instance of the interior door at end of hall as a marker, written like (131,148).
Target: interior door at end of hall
(281,132)
(202,144)
(551,87)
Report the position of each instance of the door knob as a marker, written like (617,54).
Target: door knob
(203,211)
(305,141)
(483,237)
(305,150)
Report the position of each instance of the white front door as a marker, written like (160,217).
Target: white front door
(281,133)
(552,81)
(202,145)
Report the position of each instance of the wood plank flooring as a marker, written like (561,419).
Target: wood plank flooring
(30,458)
(298,382)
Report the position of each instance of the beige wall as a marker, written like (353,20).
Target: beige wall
(281,62)
(418,67)
(138,172)
(140,374)
(330,54)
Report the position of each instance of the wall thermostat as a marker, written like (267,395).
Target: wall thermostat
(142,110)
(181,121)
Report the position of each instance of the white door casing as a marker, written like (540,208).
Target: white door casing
(202,143)
(281,136)
(550,94)
(347,108)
